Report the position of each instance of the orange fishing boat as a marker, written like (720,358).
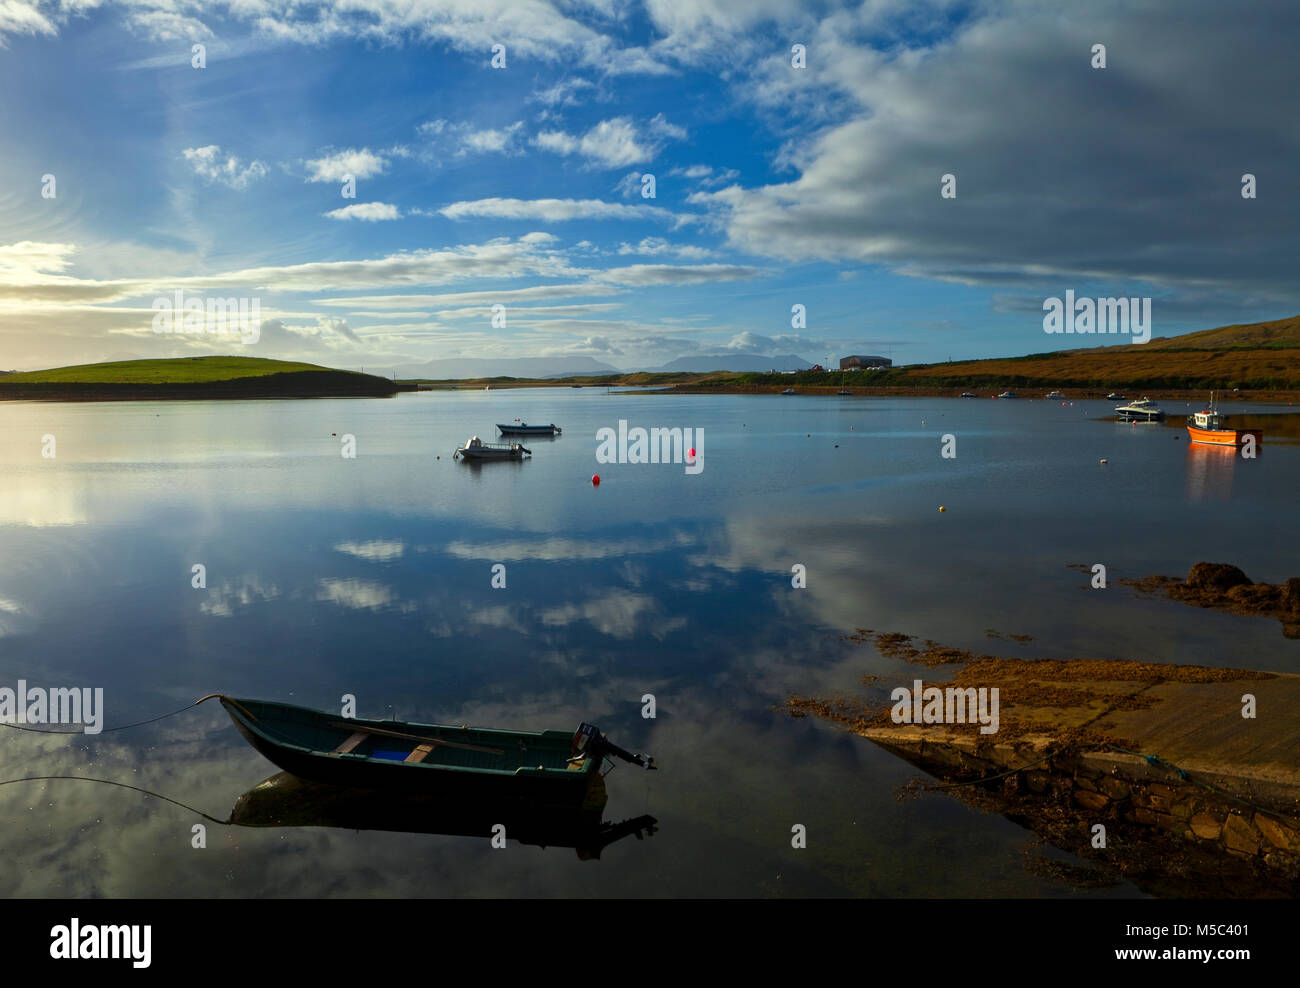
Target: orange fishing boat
(1210,427)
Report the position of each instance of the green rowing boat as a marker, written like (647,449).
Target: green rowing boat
(547,767)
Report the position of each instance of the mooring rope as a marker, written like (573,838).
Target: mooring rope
(120,727)
(1156,760)
(120,785)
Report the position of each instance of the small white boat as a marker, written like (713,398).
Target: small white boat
(476,449)
(1053,394)
(1008,394)
(789,391)
(1142,410)
(966,394)
(1115,397)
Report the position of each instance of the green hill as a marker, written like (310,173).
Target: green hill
(179,370)
(193,378)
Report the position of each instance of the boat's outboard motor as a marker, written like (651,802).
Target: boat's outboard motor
(589,741)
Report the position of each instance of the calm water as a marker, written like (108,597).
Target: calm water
(372,576)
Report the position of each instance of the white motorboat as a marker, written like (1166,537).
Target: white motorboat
(476,449)
(1053,394)
(1008,394)
(1142,410)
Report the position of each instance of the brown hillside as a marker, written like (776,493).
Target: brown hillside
(1125,366)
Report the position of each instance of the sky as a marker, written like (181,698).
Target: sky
(783,176)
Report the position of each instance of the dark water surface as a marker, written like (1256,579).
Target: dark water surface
(372,576)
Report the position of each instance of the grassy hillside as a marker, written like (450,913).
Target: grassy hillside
(180,370)
(1279,333)
(190,378)
(1131,367)
(1261,357)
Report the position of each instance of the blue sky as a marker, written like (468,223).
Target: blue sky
(521,185)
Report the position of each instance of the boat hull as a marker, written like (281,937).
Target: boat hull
(528,430)
(302,743)
(1140,416)
(1223,437)
(490,454)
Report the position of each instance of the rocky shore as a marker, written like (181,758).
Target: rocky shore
(1191,773)
(1225,587)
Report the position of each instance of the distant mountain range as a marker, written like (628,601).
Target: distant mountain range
(739,362)
(459,368)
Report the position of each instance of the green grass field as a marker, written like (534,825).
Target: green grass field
(179,370)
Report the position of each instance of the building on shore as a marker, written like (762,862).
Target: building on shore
(858,362)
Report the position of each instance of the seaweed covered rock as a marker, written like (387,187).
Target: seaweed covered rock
(1291,596)
(1216,576)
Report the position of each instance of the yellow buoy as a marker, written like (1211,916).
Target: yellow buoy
(942,508)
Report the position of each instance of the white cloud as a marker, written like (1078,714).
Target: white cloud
(671,274)
(614,143)
(706,175)
(551,210)
(619,614)
(472,298)
(371,212)
(224,600)
(17,17)
(362,163)
(210,164)
(565,92)
(29,258)
(376,550)
(748,342)
(24,277)
(469,140)
(653,246)
(354,594)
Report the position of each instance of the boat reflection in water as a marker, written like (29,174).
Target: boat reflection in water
(285,800)
(1209,471)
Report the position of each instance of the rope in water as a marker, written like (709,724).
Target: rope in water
(120,727)
(120,785)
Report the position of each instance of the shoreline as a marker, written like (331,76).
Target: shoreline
(1069,394)
(298,384)
(1160,755)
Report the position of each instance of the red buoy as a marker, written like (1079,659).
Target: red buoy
(595,479)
